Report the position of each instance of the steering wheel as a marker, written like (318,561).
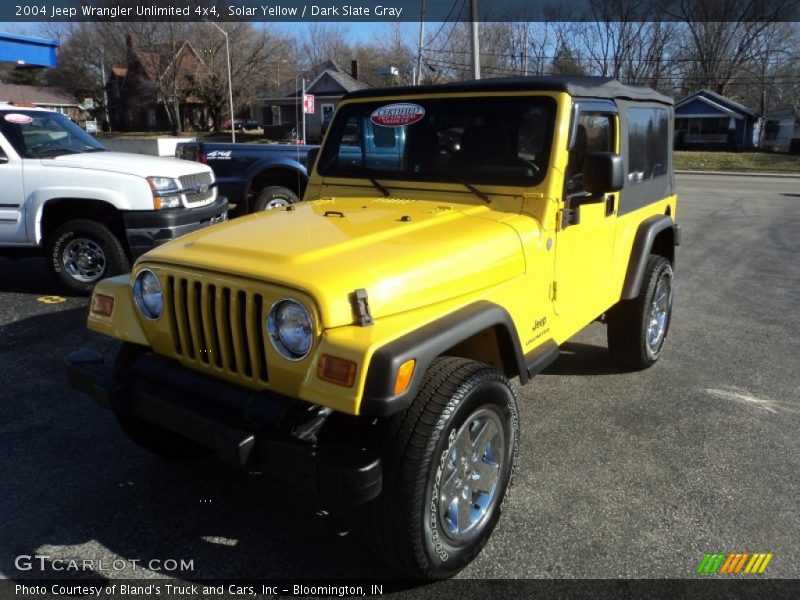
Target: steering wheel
(513,161)
(49,145)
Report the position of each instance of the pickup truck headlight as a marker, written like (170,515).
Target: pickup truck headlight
(147,294)
(166,192)
(291,328)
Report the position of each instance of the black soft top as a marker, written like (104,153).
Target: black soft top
(591,87)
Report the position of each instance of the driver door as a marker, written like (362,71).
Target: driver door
(12,199)
(585,239)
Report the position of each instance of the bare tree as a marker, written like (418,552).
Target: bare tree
(325,41)
(717,53)
(257,55)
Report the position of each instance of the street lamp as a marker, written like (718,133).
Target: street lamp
(230,81)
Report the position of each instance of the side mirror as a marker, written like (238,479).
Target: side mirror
(311,158)
(3,158)
(603,172)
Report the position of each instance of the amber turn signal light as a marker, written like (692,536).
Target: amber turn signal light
(102,305)
(337,370)
(404,374)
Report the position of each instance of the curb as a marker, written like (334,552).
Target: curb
(742,174)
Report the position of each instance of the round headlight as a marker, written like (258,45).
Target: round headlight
(147,294)
(290,328)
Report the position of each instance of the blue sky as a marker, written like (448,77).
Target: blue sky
(356,32)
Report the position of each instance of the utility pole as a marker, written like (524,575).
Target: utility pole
(303,110)
(525,52)
(105,90)
(476,51)
(418,71)
(230,80)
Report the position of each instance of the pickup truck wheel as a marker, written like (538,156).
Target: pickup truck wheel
(146,435)
(638,327)
(447,463)
(82,252)
(274,196)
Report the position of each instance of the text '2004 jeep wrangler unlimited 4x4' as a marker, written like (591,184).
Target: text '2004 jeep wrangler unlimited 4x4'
(360,343)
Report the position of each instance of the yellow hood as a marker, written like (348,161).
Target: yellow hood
(406,253)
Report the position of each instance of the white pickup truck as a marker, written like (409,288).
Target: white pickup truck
(90,211)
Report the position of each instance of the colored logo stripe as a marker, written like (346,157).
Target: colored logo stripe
(732,563)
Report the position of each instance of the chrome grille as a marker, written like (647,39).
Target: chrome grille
(191,181)
(218,327)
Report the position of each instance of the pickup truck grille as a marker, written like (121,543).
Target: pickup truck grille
(194,180)
(218,327)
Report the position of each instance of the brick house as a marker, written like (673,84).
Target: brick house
(136,90)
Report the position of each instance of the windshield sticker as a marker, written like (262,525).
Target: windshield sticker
(18,119)
(398,115)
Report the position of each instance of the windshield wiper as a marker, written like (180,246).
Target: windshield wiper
(482,195)
(378,185)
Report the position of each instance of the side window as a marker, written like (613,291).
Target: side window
(350,151)
(595,133)
(648,143)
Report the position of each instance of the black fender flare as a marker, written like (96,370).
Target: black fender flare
(642,245)
(434,339)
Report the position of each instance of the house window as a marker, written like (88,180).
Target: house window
(327,109)
(648,143)
(276,114)
(771,130)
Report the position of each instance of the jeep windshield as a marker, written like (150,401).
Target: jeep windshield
(38,134)
(491,141)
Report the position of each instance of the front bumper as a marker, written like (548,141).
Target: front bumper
(250,430)
(147,229)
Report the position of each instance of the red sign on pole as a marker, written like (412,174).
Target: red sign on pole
(308,104)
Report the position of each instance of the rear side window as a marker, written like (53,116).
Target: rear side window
(648,144)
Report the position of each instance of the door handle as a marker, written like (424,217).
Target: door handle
(610,205)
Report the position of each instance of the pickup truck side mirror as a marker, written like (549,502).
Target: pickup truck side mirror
(311,158)
(603,173)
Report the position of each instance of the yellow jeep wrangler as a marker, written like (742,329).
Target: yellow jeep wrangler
(360,343)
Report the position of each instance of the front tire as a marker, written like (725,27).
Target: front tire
(447,463)
(637,328)
(82,252)
(274,196)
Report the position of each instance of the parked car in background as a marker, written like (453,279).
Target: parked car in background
(90,211)
(242,125)
(253,177)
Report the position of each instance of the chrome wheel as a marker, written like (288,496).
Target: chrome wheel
(659,314)
(84,260)
(471,475)
(276,203)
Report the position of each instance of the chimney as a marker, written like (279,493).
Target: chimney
(354,69)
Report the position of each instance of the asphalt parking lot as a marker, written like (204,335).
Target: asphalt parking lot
(621,474)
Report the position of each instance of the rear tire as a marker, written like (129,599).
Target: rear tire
(82,252)
(447,463)
(148,436)
(274,196)
(637,328)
